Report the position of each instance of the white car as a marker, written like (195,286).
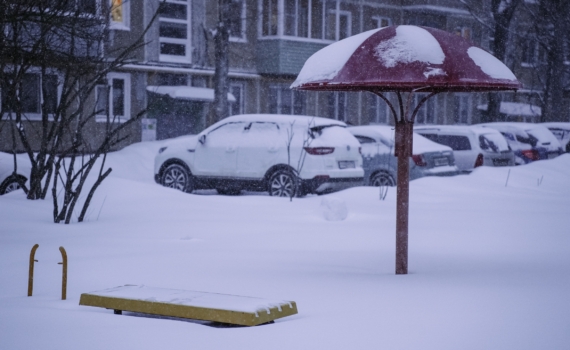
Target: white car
(282,154)
(561,131)
(13,177)
(472,146)
(529,141)
(380,163)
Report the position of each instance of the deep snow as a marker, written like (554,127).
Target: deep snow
(489,264)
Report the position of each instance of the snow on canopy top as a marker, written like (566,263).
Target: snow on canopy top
(490,64)
(405,58)
(410,44)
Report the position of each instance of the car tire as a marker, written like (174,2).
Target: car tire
(178,177)
(283,183)
(382,179)
(12,183)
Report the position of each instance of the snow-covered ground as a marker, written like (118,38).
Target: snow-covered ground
(489,264)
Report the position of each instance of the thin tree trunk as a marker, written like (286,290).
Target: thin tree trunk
(221,45)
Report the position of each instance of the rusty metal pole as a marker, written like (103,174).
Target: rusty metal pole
(31,272)
(64,274)
(403,138)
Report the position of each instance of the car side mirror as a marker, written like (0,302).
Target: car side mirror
(202,139)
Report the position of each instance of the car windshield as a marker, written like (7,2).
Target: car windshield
(493,143)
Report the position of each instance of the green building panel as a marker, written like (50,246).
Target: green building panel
(284,57)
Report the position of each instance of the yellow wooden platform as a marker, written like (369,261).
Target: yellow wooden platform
(225,308)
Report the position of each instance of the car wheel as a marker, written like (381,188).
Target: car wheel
(176,176)
(12,183)
(282,184)
(382,179)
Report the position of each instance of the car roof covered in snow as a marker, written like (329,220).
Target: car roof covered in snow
(464,129)
(557,125)
(281,118)
(386,132)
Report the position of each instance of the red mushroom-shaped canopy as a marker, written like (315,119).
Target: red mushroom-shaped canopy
(405,58)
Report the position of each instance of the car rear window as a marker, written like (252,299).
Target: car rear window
(543,135)
(456,142)
(364,139)
(493,143)
(432,137)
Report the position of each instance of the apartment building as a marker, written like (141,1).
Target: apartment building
(172,74)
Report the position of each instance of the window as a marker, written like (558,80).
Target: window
(120,13)
(381,22)
(456,142)
(364,139)
(237,20)
(174,31)
(464,32)
(31,95)
(427,112)
(337,105)
(528,52)
(297,18)
(269,18)
(532,53)
(314,19)
(378,111)
(462,108)
(237,90)
(283,100)
(114,99)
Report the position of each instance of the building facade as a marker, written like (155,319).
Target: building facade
(171,76)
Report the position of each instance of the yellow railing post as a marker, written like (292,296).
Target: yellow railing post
(64,277)
(31,272)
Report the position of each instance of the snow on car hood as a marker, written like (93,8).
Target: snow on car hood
(182,141)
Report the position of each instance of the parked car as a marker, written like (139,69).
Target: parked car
(11,180)
(561,131)
(529,141)
(380,163)
(472,146)
(263,152)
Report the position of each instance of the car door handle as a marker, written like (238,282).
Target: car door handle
(230,149)
(272,149)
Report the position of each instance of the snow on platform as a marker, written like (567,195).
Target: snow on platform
(225,308)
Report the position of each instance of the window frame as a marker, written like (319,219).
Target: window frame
(375,104)
(102,118)
(37,116)
(243,24)
(339,105)
(378,20)
(125,24)
(280,87)
(187,58)
(239,104)
(423,111)
(469,108)
(264,21)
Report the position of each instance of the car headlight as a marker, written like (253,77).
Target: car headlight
(162,149)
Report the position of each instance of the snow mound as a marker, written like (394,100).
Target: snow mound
(334,209)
